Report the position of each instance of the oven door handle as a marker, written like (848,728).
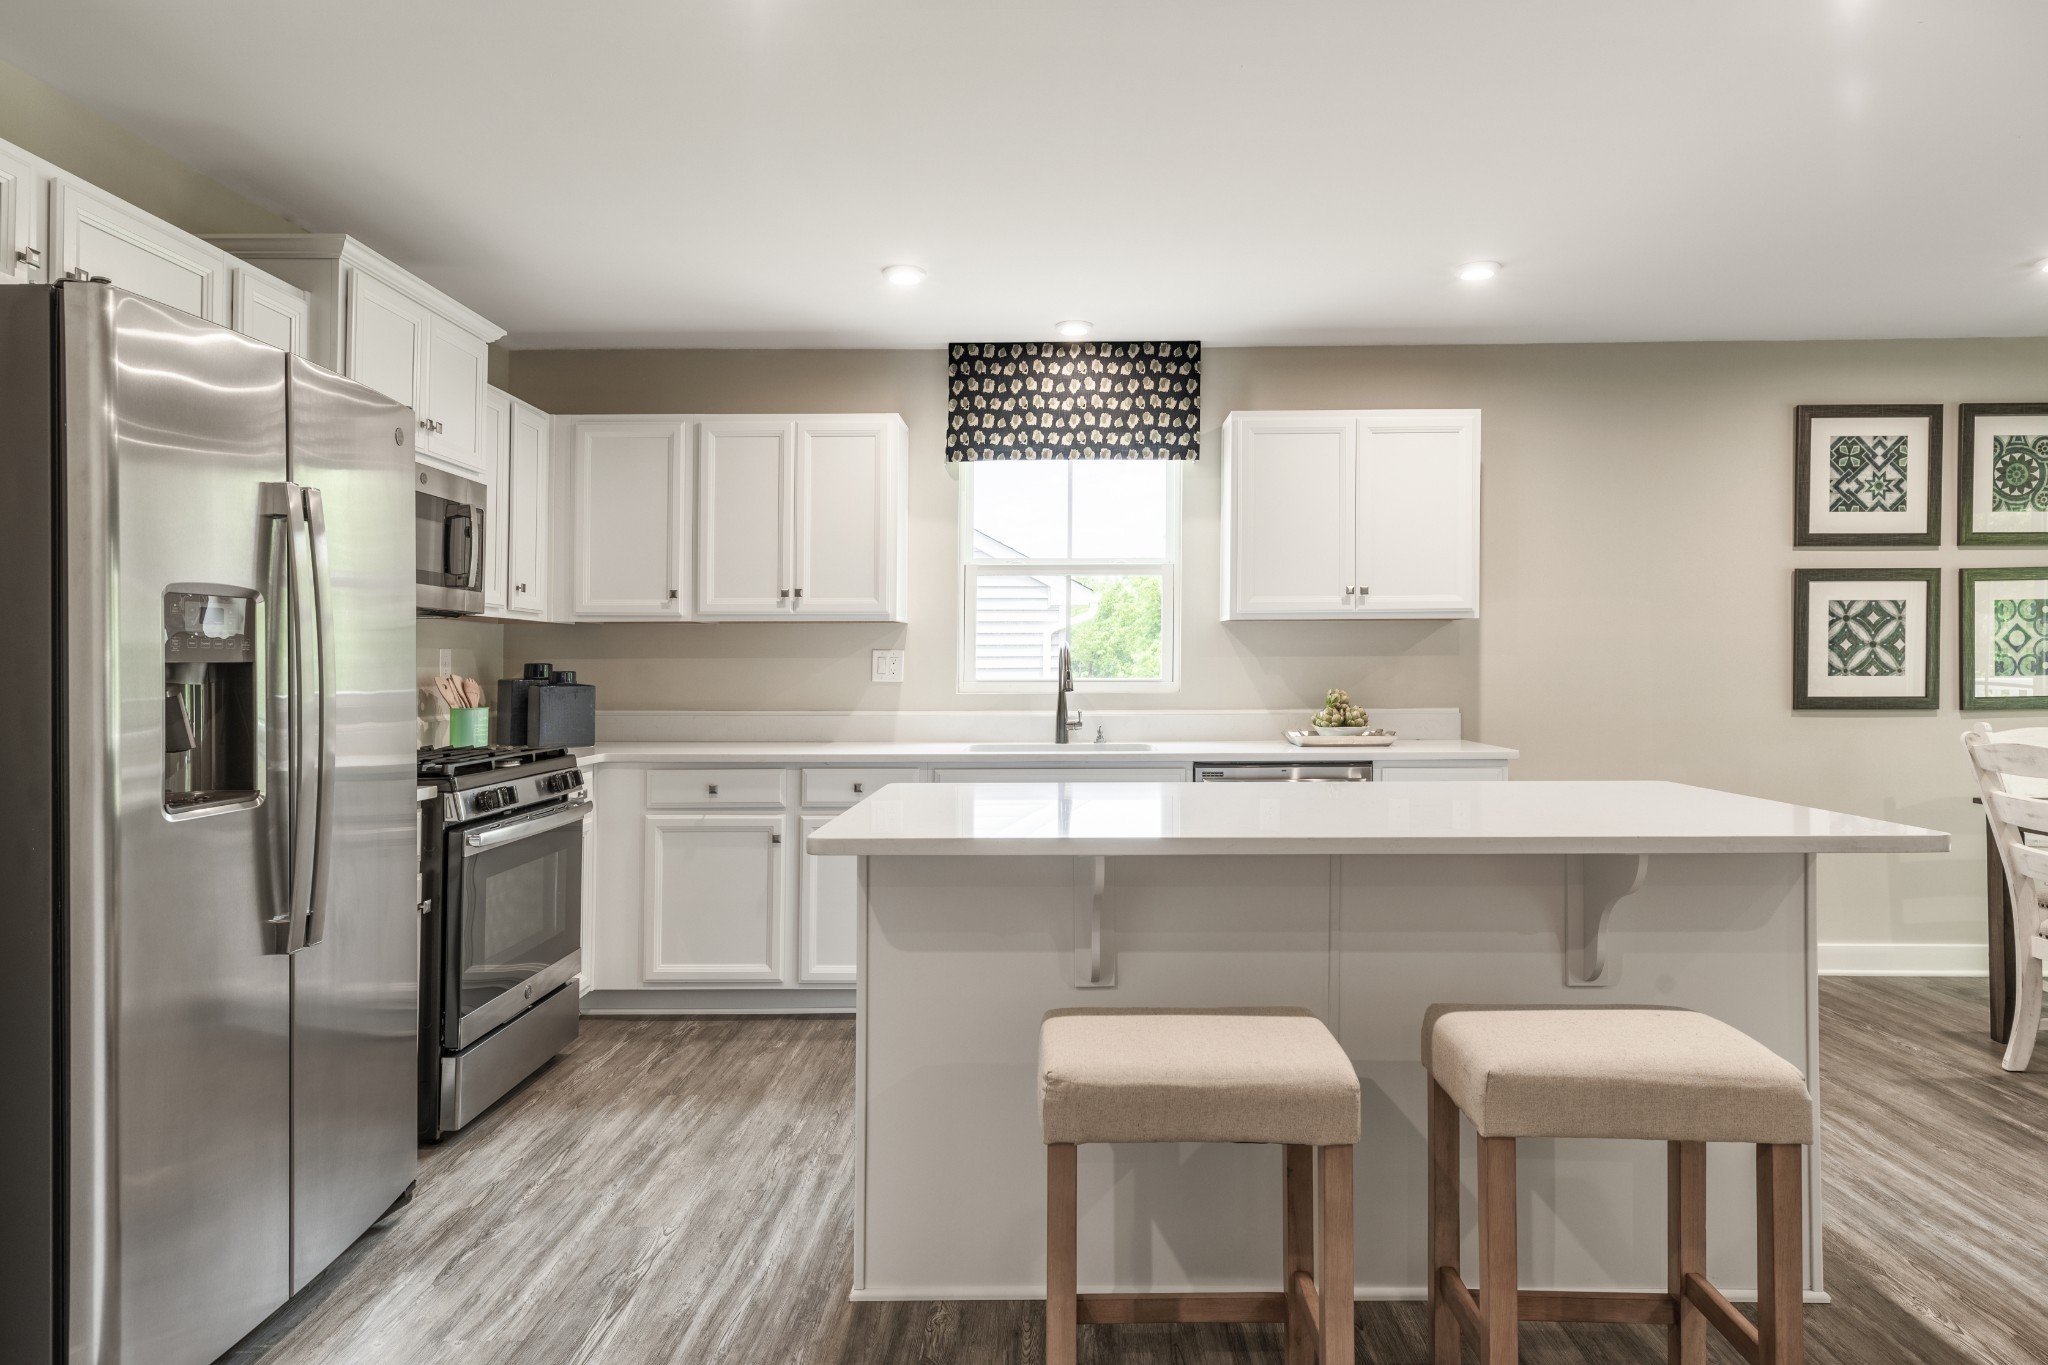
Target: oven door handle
(486,839)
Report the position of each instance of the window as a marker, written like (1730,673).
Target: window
(1078,553)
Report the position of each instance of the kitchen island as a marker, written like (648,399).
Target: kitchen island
(983,906)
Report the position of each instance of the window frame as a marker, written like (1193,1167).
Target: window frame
(971,569)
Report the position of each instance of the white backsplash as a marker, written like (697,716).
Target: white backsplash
(948,727)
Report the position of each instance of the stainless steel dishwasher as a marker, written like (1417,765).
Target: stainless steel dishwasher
(1283,772)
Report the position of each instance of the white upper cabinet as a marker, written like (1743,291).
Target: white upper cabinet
(846,520)
(801,518)
(1350,515)
(272,311)
(744,470)
(631,518)
(137,251)
(526,501)
(24,211)
(387,343)
(383,326)
(458,365)
(498,479)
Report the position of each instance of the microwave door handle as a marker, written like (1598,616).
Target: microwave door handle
(459,564)
(299,627)
(484,840)
(323,735)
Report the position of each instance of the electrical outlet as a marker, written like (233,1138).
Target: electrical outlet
(447,668)
(888,665)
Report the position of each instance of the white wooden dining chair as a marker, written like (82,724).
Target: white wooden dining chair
(2012,771)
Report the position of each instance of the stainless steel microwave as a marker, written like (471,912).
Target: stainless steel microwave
(448,540)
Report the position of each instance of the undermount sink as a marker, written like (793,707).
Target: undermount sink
(1049,747)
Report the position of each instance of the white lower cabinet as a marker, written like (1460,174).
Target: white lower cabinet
(828,914)
(715,891)
(701,880)
(1071,774)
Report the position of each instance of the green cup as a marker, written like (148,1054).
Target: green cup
(469,726)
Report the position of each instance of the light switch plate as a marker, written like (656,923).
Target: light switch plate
(888,665)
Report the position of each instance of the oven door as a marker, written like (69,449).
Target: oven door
(448,544)
(513,918)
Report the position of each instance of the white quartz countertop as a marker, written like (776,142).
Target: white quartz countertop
(1052,755)
(1099,818)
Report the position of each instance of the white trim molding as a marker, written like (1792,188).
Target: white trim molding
(1904,959)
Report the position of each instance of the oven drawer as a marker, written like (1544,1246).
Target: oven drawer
(715,788)
(844,786)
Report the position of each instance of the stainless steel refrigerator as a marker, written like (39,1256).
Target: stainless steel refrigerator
(207,1083)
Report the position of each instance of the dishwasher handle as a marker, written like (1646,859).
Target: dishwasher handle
(1293,772)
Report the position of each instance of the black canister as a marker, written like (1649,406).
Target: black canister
(562,714)
(510,722)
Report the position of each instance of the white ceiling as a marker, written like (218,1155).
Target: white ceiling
(736,172)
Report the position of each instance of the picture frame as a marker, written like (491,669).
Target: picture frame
(2004,653)
(1866,474)
(2002,474)
(1866,639)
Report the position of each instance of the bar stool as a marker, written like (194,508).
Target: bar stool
(1664,1075)
(1170,1075)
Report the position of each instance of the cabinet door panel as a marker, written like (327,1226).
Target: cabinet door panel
(1073,773)
(458,372)
(630,491)
(844,522)
(138,252)
(526,513)
(1418,514)
(271,311)
(714,898)
(24,209)
(828,915)
(1291,523)
(498,479)
(387,342)
(744,472)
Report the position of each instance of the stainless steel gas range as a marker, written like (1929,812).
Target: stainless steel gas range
(500,945)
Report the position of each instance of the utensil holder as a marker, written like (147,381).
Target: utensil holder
(469,726)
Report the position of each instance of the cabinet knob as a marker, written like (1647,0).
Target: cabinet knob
(30,255)
(671,594)
(1349,591)
(713,789)
(782,592)
(775,838)
(1362,591)
(425,425)
(519,587)
(799,592)
(856,789)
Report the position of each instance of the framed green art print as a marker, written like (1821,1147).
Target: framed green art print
(2004,615)
(2002,474)
(1866,474)
(1865,639)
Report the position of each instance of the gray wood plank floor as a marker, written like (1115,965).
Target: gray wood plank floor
(681,1191)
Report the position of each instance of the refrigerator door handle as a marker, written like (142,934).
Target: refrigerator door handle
(323,736)
(287,501)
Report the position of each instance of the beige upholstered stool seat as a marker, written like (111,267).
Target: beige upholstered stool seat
(1172,1075)
(1664,1074)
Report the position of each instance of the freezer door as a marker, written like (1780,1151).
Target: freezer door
(173,428)
(355,986)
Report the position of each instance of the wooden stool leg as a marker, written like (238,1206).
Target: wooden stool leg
(1499,1277)
(1685,1198)
(1780,1310)
(1446,1347)
(1333,1285)
(1298,1248)
(1061,1209)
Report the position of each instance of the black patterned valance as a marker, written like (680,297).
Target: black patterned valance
(1074,400)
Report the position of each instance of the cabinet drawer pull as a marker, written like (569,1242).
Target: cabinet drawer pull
(30,255)
(782,592)
(775,838)
(713,789)
(799,592)
(1363,591)
(856,789)
(1349,591)
(671,594)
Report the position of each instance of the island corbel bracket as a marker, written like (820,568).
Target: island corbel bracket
(1094,964)
(1594,883)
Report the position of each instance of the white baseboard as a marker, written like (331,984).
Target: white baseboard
(732,1000)
(1904,959)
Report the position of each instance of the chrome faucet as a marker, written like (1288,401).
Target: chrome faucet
(1062,723)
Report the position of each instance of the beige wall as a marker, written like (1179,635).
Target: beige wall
(41,119)
(1636,585)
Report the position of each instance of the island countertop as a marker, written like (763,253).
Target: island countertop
(1101,819)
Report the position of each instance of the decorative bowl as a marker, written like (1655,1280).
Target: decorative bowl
(1340,729)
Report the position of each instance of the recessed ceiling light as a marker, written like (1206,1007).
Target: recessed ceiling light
(903,276)
(1074,327)
(1478,270)
(2043,267)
